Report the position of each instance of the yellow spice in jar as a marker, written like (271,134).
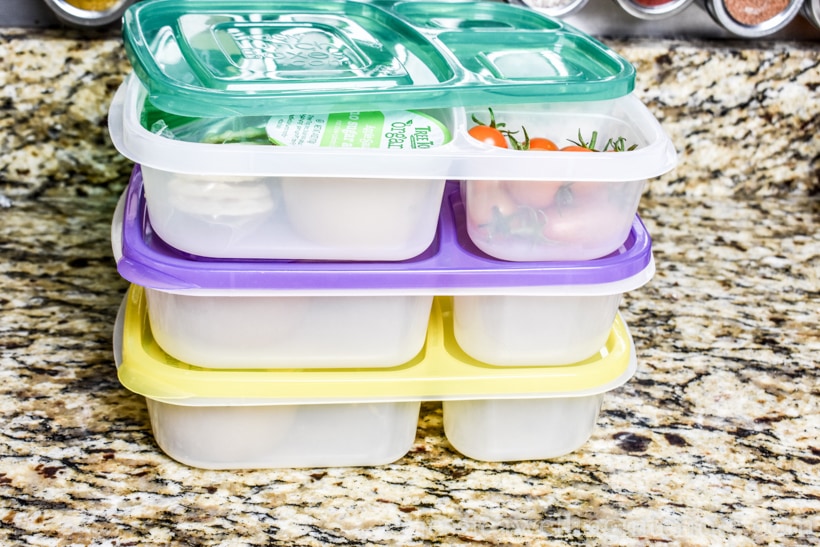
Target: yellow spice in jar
(93,5)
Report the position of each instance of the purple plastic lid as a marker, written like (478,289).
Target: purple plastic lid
(452,261)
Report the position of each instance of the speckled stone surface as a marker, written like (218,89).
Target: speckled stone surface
(716,441)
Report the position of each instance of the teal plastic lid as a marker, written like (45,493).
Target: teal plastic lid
(218,58)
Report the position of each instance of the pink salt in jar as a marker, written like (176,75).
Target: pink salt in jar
(753,18)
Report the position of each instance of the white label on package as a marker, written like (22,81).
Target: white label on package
(400,130)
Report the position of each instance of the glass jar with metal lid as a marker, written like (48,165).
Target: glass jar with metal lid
(811,11)
(553,8)
(653,9)
(88,13)
(752,18)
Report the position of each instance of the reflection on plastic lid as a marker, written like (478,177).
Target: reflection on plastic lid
(205,58)
(555,8)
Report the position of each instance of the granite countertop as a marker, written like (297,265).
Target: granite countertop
(716,441)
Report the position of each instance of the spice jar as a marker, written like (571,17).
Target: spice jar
(752,18)
(653,9)
(553,8)
(811,11)
(88,13)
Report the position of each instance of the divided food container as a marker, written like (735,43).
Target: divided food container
(316,243)
(246,418)
(246,200)
(245,314)
(326,130)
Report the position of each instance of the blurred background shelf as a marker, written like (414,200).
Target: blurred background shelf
(597,17)
(606,18)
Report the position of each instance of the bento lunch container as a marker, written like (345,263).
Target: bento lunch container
(243,418)
(254,123)
(341,314)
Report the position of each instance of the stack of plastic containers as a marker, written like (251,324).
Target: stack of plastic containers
(316,243)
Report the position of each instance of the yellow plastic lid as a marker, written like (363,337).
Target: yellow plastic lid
(441,371)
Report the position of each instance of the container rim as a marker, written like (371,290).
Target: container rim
(462,158)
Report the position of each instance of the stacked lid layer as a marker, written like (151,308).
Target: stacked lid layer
(216,58)
(442,371)
(451,265)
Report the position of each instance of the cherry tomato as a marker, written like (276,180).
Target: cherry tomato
(488,135)
(588,225)
(540,143)
(532,193)
(487,201)
(576,148)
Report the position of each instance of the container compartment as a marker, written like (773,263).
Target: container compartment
(280,212)
(289,331)
(293,217)
(520,429)
(262,436)
(512,330)
(580,205)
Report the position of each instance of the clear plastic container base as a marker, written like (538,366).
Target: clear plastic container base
(243,418)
